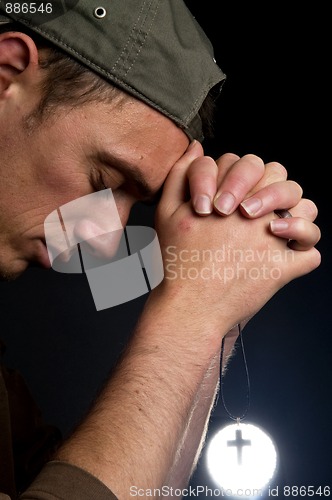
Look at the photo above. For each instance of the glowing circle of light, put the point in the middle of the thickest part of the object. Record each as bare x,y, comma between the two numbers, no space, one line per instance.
240,469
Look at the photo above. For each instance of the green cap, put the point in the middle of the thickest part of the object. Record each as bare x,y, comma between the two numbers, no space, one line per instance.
153,49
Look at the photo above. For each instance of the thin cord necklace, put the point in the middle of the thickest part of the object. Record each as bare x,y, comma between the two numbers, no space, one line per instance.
237,419
241,456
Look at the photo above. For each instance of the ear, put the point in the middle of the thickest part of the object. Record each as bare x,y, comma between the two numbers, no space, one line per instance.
17,53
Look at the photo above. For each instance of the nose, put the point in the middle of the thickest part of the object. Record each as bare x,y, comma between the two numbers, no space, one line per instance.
100,233
94,222
87,235
97,243
124,202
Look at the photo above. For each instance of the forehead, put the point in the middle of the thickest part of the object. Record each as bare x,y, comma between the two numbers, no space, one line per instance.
139,138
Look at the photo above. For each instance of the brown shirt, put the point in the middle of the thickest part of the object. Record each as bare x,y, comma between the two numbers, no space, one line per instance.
27,471
59,480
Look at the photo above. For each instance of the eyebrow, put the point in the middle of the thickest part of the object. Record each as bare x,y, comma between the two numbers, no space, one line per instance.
149,195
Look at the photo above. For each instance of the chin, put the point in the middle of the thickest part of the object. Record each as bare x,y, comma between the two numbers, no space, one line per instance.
11,269
10,275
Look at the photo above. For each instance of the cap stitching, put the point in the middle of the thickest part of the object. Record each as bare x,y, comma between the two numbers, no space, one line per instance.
134,40
128,41
140,46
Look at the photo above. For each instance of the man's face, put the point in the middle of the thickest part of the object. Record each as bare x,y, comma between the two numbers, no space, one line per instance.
127,146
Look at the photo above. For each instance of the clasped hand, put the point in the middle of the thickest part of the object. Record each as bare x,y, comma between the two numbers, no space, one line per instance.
221,213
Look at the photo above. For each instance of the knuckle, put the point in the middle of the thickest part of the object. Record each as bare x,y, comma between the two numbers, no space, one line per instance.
310,209
254,161
276,171
228,157
318,234
185,224
300,226
297,187
203,162
317,259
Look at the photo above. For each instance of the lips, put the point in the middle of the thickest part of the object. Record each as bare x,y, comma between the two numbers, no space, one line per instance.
42,257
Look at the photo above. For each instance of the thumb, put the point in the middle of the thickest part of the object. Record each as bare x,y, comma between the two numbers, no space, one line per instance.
176,184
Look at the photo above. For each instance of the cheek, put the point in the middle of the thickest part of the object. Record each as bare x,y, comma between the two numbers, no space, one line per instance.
60,168
62,181
58,188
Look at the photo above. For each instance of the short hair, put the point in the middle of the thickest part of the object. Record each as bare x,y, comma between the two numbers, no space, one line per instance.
69,83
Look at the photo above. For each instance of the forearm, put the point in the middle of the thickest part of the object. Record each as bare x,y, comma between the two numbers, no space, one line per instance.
193,441
191,445
131,437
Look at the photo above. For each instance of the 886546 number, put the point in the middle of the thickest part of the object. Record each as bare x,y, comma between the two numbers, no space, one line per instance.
28,8
306,491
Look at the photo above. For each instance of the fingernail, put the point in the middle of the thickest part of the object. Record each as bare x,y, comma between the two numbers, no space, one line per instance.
252,205
203,204
278,225
224,203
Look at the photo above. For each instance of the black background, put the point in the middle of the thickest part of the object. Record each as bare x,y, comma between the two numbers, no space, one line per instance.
274,104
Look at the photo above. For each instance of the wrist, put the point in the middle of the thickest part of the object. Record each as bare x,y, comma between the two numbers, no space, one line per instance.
184,316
